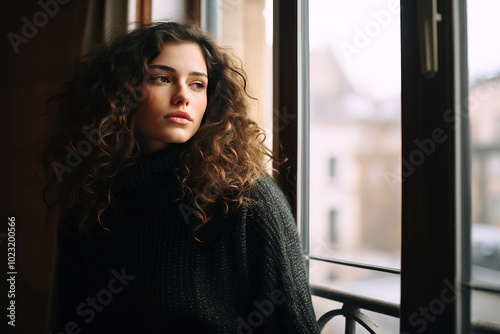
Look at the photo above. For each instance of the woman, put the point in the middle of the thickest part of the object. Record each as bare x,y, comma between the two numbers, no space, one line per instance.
169,223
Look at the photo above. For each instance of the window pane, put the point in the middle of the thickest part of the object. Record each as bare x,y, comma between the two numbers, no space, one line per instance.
484,118
167,10
355,140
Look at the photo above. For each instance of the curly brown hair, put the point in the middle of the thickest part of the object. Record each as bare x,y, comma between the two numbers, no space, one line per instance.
93,134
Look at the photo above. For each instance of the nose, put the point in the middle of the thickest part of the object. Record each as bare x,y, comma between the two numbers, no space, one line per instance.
181,95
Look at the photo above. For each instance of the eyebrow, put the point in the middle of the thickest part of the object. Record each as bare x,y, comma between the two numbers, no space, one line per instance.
171,69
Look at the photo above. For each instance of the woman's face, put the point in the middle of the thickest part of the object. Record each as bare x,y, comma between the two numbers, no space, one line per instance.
177,100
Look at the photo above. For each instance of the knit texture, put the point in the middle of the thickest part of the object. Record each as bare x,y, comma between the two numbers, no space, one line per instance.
243,273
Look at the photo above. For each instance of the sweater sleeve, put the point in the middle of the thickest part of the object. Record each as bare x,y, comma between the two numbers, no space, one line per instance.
279,282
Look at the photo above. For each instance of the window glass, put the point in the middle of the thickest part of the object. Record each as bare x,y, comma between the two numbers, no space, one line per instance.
484,118
355,92
167,10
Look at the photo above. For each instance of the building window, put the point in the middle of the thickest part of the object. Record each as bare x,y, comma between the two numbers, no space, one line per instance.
332,168
333,227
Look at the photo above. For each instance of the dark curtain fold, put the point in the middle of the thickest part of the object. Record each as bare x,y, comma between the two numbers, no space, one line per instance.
104,19
41,40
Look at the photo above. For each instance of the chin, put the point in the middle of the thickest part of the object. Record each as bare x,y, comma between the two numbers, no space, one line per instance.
179,140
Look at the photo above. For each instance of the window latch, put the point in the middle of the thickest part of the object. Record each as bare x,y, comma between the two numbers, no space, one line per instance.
428,17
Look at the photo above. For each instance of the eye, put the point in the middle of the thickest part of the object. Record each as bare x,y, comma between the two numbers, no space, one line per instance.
160,79
198,85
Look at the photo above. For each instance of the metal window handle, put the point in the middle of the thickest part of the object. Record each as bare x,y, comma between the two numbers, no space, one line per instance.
428,17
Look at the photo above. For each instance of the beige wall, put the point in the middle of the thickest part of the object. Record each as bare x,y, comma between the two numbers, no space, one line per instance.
243,28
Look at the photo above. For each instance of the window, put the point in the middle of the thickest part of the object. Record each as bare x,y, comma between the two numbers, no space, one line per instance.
429,169
484,115
355,116
165,11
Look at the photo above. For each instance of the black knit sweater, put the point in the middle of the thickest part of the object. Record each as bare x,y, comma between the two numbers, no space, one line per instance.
149,274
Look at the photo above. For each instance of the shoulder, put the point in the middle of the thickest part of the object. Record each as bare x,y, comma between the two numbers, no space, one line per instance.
266,190
269,214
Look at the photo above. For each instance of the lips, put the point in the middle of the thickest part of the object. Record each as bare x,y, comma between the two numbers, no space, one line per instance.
180,114
179,117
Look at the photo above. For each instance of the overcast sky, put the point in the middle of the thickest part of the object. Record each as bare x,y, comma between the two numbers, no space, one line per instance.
364,35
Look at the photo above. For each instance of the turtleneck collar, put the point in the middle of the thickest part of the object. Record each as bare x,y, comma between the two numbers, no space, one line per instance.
148,169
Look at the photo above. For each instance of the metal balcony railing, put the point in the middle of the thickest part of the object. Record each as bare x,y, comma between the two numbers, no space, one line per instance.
353,304
351,309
